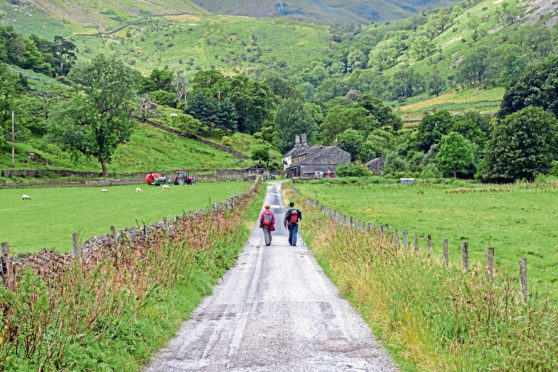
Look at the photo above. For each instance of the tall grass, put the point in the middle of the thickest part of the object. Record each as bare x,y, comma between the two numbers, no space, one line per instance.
113,310
434,317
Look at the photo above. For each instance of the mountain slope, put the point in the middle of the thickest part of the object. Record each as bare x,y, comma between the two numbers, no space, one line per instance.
324,11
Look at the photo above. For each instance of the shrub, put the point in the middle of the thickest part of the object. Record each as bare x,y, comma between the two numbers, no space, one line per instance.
355,169
227,141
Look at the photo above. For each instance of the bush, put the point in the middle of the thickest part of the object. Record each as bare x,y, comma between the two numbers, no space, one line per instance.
355,169
227,141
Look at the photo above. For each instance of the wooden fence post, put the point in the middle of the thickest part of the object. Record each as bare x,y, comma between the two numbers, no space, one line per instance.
165,225
523,276
405,238
415,236
395,237
490,263
368,227
374,228
387,229
465,255
113,233
446,253
382,230
77,252
429,244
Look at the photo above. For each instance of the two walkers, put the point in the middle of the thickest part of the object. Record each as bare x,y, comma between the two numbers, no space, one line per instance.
292,218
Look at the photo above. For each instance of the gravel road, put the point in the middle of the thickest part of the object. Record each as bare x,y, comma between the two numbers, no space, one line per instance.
275,310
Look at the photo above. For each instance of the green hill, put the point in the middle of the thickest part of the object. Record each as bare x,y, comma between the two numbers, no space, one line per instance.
324,11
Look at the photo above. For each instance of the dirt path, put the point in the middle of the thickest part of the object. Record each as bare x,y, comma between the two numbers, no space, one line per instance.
275,310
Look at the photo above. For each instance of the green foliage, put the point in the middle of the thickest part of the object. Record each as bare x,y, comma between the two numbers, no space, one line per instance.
95,124
291,120
158,80
9,92
433,127
261,155
455,157
162,97
352,142
522,145
537,87
354,169
186,123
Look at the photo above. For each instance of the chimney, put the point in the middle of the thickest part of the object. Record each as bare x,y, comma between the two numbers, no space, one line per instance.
304,140
297,140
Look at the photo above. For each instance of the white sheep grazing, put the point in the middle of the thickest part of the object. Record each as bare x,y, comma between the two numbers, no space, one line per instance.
25,197
166,187
138,189
104,190
173,115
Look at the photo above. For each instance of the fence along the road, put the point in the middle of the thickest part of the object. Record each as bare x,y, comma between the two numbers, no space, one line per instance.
528,286
51,260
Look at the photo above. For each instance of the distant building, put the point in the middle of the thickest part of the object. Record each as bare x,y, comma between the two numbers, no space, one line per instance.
314,161
377,165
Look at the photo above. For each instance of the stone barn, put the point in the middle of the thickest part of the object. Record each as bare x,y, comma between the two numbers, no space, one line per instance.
316,161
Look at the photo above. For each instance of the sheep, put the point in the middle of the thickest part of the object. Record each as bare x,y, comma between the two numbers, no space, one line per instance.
25,197
173,115
166,187
138,189
104,190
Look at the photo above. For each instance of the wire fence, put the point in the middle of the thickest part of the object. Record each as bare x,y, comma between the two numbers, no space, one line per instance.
491,262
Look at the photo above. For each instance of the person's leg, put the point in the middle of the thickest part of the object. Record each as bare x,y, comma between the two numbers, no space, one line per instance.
290,234
267,235
294,232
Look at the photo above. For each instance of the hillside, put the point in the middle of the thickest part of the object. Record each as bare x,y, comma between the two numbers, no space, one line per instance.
325,11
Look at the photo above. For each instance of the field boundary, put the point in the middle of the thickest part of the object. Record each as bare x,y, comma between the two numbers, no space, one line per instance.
527,287
97,247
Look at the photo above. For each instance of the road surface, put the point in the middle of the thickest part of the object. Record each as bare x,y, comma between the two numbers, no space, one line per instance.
275,310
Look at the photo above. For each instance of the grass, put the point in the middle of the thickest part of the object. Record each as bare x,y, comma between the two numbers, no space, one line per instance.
429,316
90,212
148,149
517,221
114,314
487,101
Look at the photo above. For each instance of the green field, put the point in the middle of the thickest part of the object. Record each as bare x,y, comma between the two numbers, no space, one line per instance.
516,221
53,214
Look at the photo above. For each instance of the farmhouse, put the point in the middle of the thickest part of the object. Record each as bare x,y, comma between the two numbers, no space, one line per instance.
377,165
314,161
287,158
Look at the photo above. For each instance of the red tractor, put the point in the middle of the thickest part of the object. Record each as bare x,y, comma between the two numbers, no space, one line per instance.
183,178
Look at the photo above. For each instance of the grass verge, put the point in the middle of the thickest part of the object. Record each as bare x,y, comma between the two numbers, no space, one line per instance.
115,314
433,317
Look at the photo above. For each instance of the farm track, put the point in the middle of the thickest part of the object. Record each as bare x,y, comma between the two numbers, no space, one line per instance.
274,311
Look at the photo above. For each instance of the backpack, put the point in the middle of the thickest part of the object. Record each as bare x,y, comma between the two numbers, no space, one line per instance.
294,216
267,218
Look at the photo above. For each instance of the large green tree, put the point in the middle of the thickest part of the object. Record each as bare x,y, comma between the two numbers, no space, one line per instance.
10,89
537,87
352,142
523,145
432,128
292,119
456,156
97,119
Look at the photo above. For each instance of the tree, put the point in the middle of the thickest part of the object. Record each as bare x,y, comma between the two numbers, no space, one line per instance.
253,103
356,60
159,80
456,156
341,118
473,68
522,145
435,84
352,142
382,113
292,119
10,90
97,119
471,132
261,155
537,87
407,83
432,128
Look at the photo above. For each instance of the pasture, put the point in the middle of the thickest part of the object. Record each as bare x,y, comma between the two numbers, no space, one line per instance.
53,214
516,221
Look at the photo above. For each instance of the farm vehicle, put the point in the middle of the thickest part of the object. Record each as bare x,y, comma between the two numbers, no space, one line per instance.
158,179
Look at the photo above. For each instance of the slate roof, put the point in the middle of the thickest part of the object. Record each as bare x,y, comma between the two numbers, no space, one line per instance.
326,155
377,165
296,148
